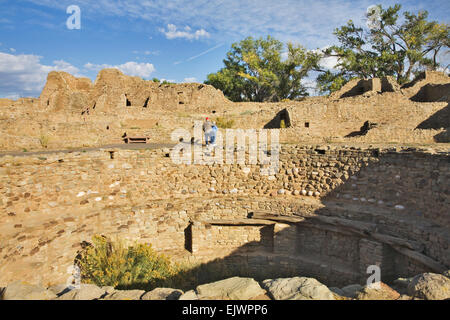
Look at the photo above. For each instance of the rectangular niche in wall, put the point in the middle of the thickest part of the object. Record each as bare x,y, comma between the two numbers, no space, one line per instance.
306,124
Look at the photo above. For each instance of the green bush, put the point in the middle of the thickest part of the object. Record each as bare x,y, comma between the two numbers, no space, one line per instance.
224,123
108,263
112,263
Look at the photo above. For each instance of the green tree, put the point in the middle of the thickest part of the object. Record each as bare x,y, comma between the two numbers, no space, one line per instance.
388,47
255,71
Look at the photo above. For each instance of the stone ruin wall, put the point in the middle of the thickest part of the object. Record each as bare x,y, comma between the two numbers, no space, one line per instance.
77,113
52,203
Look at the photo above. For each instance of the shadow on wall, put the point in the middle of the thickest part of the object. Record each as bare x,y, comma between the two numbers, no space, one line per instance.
439,120
281,120
363,130
333,248
433,93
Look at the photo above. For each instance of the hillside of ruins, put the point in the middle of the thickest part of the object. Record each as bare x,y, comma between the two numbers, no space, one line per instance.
76,113
364,179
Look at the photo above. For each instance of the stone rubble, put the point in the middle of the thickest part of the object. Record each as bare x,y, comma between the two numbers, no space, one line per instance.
426,286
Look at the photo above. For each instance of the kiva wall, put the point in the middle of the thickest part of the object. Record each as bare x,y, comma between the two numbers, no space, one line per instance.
51,203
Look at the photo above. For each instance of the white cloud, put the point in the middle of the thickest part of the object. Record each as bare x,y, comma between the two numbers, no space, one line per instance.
130,68
173,33
327,62
25,76
310,85
166,80
309,22
190,80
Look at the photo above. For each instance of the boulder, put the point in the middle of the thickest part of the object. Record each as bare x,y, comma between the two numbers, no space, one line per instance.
378,291
162,294
109,289
60,289
125,295
85,292
401,285
337,291
351,290
20,290
189,295
235,288
297,288
430,286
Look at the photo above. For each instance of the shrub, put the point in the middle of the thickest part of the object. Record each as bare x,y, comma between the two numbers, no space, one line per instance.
112,263
108,263
224,123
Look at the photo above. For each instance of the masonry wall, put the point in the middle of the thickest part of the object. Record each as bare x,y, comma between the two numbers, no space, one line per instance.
51,203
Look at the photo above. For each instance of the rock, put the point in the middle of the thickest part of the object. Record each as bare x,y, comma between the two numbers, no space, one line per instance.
233,288
163,294
401,284
297,288
60,289
20,290
446,273
190,295
352,290
378,291
261,297
109,289
85,292
337,291
429,286
125,295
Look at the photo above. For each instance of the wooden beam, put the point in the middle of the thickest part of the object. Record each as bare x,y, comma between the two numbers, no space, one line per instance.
419,257
238,222
281,219
358,226
394,241
363,229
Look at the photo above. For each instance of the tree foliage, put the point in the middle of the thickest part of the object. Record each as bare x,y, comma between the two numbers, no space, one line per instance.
255,70
390,46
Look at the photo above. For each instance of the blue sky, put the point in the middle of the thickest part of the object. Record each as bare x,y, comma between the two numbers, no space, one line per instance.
180,41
